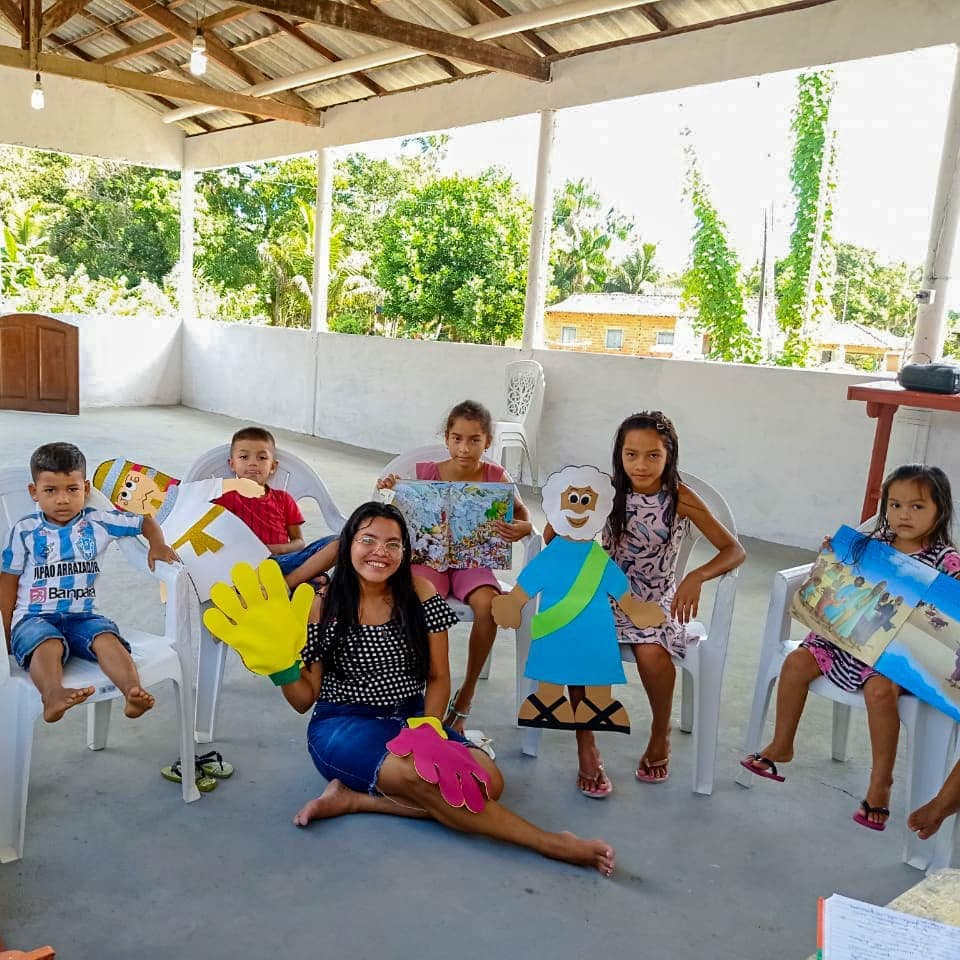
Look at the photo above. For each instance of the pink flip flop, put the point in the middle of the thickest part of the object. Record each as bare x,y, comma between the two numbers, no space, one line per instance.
645,766
602,792
769,774
864,812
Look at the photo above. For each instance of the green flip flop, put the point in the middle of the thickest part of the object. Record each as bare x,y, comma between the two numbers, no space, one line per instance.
174,773
213,765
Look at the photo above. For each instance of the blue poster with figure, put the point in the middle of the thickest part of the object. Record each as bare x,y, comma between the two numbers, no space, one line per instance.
890,611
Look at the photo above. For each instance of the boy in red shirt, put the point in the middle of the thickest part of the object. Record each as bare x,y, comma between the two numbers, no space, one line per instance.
275,517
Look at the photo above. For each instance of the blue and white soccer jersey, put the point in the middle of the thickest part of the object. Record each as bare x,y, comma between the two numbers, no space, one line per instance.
58,566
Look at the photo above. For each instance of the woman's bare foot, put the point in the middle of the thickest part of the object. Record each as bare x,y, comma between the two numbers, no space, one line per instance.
138,702
335,801
597,854
925,821
56,704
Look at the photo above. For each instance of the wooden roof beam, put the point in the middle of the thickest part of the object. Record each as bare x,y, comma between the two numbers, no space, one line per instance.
57,15
11,13
159,86
303,37
530,39
216,49
652,13
161,40
414,35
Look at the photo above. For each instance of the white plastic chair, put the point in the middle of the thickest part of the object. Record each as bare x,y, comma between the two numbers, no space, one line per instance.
701,669
404,466
302,482
521,421
157,658
931,735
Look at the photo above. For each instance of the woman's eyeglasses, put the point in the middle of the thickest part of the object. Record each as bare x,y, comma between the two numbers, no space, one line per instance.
393,547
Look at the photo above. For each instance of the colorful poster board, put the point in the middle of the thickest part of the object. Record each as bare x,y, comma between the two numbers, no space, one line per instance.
452,524
894,613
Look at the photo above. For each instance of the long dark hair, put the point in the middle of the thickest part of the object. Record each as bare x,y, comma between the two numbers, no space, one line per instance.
935,481
473,411
341,609
663,426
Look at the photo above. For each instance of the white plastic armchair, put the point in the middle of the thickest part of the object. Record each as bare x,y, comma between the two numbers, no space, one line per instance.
302,482
931,735
157,658
404,466
525,388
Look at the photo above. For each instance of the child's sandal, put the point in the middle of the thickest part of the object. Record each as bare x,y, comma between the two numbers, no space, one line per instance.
452,711
213,765
174,773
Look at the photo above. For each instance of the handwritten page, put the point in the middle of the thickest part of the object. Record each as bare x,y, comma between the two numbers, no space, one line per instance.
854,930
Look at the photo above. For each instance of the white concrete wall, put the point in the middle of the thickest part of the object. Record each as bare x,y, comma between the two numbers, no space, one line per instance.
128,361
85,118
785,447
262,374
829,33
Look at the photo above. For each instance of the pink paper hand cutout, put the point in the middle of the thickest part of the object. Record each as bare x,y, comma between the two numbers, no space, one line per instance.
447,763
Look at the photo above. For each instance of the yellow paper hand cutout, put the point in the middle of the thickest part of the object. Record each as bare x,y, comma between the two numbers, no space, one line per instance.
260,621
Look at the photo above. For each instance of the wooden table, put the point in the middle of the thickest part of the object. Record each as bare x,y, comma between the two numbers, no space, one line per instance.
936,897
882,398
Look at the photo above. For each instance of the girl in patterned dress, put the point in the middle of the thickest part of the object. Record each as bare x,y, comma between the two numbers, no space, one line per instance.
652,510
915,516
377,657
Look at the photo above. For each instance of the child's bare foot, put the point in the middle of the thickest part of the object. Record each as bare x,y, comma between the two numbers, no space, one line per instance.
335,801
925,821
138,702
597,854
56,704
457,712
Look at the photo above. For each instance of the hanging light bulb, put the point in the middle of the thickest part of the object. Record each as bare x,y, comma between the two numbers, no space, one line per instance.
198,54
36,95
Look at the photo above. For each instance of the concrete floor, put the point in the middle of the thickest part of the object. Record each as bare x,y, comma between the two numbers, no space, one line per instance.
117,867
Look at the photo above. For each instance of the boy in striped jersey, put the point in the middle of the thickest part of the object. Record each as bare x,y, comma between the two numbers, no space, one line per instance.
48,574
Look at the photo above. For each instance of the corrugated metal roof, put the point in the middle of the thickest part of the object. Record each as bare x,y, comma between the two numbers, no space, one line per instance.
277,53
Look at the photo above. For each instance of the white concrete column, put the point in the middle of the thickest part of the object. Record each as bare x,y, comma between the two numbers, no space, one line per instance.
931,317
540,236
321,240
188,190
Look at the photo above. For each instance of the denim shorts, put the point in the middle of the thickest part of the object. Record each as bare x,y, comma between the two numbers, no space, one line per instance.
288,562
348,741
77,631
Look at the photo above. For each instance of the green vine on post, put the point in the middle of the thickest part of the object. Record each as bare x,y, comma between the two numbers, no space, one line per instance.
712,284
803,300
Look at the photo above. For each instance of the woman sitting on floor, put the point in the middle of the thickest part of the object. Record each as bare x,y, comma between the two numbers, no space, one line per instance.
377,657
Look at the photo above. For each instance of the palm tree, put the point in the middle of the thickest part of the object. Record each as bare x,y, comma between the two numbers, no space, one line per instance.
288,261
635,271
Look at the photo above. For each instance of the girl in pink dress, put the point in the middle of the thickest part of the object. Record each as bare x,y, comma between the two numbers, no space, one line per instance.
468,434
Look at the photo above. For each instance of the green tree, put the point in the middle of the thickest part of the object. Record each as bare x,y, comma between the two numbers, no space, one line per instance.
711,284
118,220
583,234
636,271
452,263
877,294
812,179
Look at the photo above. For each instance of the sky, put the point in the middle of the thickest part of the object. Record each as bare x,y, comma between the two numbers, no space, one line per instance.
888,112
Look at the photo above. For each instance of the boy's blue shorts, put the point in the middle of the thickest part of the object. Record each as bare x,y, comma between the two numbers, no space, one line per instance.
288,562
77,631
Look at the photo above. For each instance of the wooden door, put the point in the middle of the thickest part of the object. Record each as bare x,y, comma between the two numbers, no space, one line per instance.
39,364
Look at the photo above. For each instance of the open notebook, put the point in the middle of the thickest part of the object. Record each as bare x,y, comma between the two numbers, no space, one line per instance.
853,930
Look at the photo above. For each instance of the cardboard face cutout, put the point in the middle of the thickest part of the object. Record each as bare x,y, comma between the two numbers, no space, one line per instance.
574,633
208,538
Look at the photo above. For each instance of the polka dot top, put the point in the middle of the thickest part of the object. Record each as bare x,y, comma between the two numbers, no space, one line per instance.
375,665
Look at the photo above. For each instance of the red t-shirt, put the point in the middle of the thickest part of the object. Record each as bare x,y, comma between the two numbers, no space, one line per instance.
267,516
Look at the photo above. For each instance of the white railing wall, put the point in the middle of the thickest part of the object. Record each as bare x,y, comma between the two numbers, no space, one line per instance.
786,447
